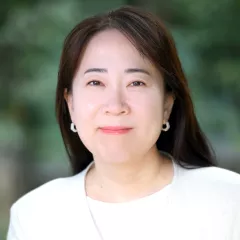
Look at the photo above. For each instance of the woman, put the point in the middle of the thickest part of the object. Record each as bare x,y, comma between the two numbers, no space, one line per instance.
142,166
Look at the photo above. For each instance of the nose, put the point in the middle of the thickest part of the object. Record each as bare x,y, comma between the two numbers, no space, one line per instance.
116,104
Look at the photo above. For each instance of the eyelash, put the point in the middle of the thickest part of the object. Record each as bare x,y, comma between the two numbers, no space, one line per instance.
141,83
99,83
94,81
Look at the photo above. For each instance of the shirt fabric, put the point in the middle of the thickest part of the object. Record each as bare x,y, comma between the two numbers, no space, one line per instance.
202,203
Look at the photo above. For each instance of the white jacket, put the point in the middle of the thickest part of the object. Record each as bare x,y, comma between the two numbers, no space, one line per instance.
205,205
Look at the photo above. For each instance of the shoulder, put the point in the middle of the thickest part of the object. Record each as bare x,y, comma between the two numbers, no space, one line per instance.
46,207
52,190
211,182
209,195
214,175
51,197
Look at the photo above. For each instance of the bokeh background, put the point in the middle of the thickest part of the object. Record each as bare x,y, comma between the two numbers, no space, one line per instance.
207,35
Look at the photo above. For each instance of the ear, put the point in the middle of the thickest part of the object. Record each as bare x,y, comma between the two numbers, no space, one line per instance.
168,105
69,100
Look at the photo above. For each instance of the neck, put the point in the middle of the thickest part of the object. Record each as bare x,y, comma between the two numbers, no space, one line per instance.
130,180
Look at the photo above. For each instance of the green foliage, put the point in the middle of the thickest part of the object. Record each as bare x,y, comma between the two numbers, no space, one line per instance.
32,33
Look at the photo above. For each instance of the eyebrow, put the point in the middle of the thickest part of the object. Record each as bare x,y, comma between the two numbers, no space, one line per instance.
129,70
137,70
99,70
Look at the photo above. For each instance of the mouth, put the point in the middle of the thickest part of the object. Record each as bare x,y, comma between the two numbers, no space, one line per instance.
115,130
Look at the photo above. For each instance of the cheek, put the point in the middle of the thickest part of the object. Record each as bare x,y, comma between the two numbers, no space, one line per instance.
84,112
85,107
149,112
149,107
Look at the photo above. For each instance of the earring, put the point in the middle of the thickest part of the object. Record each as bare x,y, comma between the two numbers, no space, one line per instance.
73,128
166,126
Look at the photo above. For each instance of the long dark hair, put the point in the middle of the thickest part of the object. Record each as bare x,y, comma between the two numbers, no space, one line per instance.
184,141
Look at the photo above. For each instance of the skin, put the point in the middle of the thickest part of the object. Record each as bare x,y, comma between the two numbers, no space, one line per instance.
128,165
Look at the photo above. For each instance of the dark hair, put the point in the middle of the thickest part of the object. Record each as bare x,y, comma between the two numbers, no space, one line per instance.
184,141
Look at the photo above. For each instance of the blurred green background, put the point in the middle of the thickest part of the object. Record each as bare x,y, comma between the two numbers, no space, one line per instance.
207,35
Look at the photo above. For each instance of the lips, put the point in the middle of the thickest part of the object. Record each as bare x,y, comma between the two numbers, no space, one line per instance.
115,129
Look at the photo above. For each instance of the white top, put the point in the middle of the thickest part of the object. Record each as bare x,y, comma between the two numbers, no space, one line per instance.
199,204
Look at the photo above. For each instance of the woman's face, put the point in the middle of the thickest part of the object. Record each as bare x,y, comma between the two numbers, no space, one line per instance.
117,101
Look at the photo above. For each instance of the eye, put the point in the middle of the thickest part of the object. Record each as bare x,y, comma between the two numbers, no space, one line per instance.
94,83
137,83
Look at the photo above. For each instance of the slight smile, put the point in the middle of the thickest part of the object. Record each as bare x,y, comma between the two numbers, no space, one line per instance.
115,129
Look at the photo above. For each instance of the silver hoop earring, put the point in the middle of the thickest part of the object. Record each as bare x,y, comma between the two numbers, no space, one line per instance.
166,126
73,128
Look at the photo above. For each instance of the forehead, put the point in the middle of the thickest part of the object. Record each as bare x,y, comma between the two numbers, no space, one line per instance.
112,47
110,39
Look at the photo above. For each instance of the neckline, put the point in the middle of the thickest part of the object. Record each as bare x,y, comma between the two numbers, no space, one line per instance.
134,202
86,209
141,199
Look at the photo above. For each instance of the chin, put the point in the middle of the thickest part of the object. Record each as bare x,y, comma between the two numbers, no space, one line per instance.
118,156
